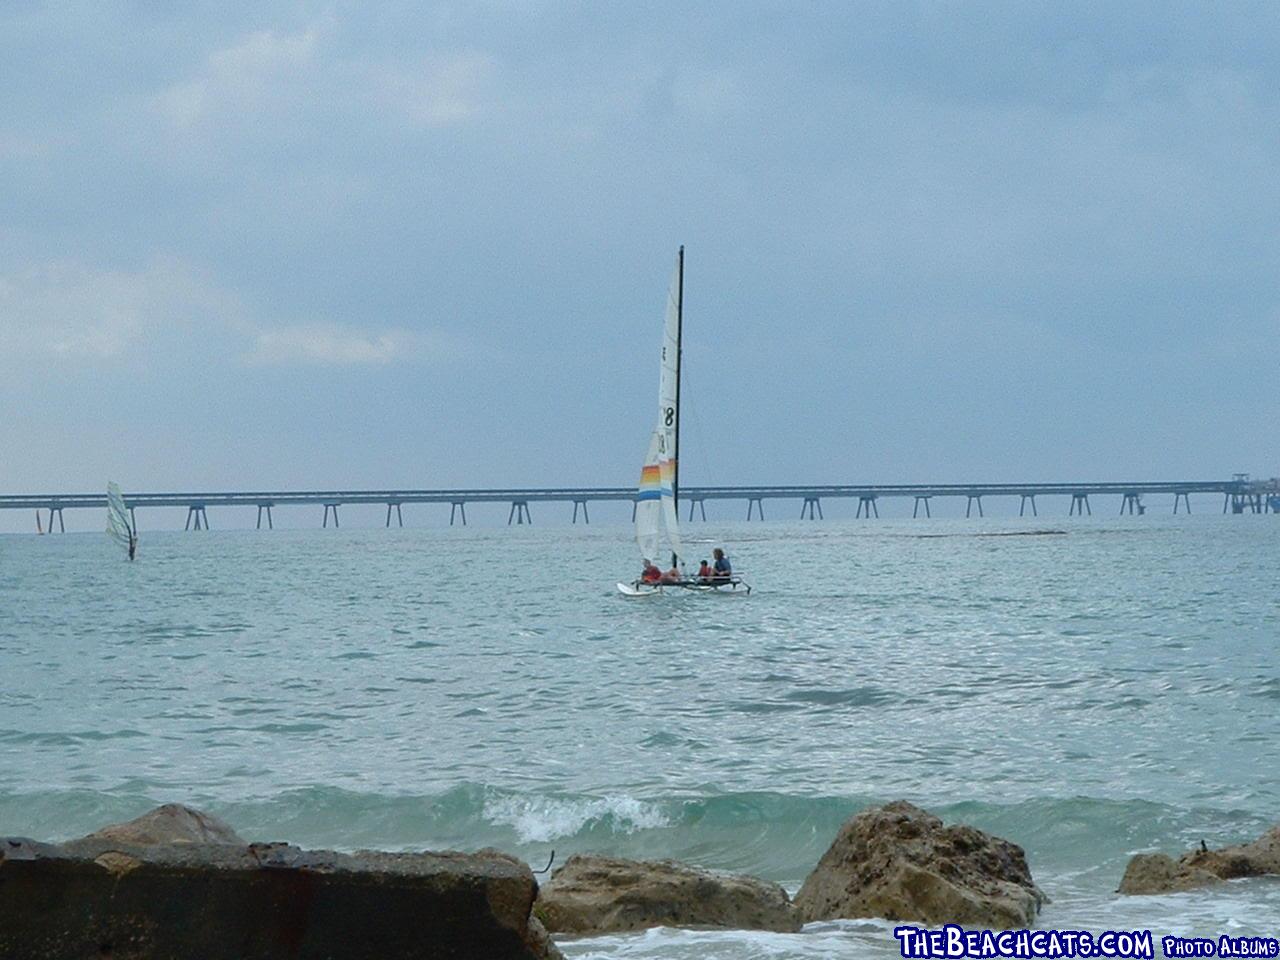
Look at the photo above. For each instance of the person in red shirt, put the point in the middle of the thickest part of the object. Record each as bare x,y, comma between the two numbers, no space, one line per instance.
705,572
651,573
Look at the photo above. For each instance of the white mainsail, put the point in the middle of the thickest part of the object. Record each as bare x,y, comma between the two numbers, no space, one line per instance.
118,527
655,501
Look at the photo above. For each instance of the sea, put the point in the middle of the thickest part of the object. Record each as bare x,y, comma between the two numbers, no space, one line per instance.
1087,688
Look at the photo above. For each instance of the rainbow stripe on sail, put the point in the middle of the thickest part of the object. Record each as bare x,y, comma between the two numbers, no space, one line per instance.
656,480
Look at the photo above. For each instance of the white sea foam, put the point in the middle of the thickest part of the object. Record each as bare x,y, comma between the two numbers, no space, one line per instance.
538,819
841,938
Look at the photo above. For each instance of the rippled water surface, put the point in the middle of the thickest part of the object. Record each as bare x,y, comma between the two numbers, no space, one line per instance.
1089,694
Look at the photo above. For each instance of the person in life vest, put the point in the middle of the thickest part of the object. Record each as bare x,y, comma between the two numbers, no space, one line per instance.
723,569
651,573
705,572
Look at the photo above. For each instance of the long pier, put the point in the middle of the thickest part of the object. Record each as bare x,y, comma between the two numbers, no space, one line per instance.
1240,495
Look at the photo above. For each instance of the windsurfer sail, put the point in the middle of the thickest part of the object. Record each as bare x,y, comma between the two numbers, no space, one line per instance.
118,526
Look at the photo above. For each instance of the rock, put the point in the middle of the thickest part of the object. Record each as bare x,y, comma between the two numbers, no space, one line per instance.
594,895
1255,859
1159,873
100,896
171,823
1149,873
900,863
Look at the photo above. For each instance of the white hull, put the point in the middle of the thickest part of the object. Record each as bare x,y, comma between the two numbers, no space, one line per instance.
734,588
634,590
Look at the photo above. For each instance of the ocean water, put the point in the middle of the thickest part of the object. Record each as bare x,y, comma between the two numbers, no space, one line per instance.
1111,689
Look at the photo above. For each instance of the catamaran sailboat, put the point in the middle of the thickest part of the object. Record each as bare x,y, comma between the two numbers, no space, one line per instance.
656,501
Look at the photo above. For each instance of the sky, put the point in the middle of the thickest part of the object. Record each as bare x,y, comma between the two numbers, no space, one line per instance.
293,245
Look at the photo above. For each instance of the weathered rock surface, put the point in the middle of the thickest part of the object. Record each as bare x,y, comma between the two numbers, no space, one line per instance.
594,895
899,862
171,823
1149,873
1160,873
100,896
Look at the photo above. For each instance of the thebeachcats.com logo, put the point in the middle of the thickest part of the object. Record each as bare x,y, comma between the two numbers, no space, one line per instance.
917,943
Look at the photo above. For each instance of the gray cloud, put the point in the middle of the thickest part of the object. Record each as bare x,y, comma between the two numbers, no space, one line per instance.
925,241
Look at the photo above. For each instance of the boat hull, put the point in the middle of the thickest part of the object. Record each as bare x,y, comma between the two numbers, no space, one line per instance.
732,588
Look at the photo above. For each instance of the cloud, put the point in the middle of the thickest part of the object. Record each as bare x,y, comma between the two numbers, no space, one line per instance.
333,345
73,310
247,76
436,91
299,73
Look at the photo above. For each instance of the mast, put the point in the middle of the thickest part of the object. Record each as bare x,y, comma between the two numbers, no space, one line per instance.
675,474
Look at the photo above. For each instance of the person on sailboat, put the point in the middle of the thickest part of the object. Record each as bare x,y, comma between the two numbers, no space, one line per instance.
651,573
705,573
673,575
723,569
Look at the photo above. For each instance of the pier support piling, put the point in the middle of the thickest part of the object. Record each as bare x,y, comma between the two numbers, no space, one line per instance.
700,504
915,512
1027,498
1184,498
1132,504
519,513
1241,503
810,505
56,511
267,508
755,503
458,506
585,517
1080,505
197,517
866,508
973,499
399,515
334,508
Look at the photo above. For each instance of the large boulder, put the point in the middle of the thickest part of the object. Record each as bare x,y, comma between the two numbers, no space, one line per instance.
101,896
171,823
594,895
900,863
1149,873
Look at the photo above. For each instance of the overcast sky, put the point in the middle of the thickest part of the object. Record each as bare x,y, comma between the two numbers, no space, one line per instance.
308,245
